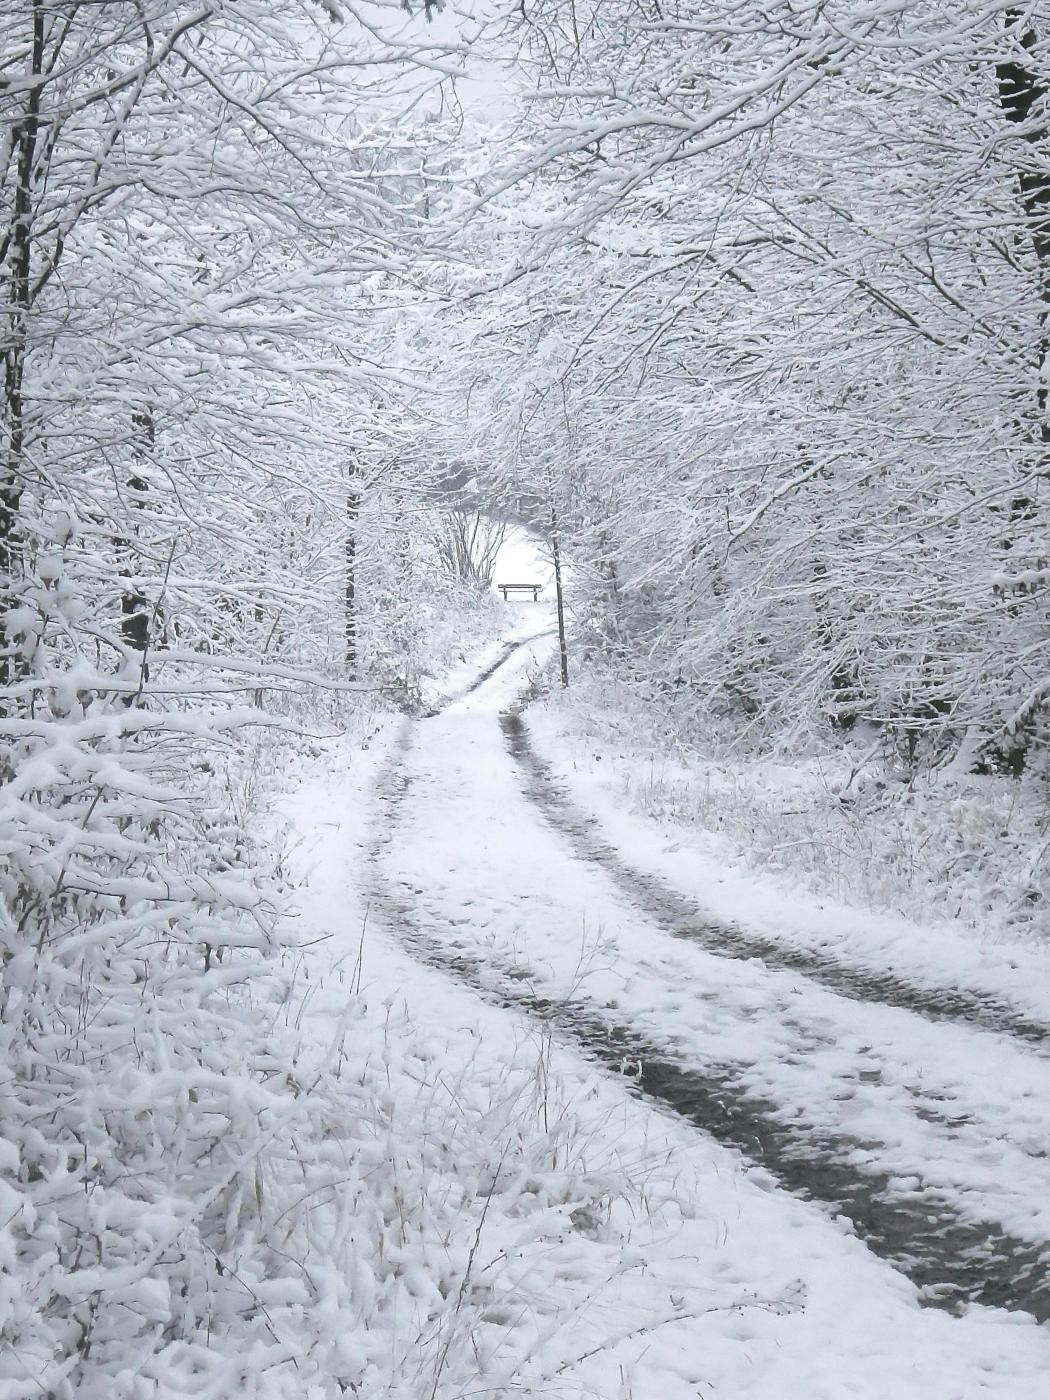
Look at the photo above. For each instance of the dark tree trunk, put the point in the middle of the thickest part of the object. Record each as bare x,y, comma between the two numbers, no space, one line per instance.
563,649
841,675
1023,96
136,612
16,280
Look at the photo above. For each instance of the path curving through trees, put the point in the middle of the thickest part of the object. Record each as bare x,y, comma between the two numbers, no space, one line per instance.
854,1092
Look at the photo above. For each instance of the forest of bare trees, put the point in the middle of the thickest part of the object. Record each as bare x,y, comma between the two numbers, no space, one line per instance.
743,307
778,312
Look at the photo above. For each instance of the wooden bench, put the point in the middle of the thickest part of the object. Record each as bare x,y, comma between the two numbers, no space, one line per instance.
533,588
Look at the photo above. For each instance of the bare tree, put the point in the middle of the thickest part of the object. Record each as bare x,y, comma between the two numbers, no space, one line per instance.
468,544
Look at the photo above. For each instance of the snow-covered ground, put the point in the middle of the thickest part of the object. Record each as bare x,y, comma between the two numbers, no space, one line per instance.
570,1229
844,821
937,954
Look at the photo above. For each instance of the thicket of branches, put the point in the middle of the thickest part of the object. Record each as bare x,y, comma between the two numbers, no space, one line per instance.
205,214
756,324
468,545
777,315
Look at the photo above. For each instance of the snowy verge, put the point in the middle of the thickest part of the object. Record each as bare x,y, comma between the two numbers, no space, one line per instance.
666,814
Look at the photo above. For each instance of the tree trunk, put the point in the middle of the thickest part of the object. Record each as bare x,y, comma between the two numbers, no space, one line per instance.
18,251
563,649
136,613
1023,95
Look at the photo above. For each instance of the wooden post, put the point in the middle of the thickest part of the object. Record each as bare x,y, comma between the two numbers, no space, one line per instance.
18,296
563,649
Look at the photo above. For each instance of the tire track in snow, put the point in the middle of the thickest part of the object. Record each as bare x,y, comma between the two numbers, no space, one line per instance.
953,1260
682,918
509,649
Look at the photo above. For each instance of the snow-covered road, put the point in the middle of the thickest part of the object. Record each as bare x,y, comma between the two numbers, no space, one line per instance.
892,1135
892,1113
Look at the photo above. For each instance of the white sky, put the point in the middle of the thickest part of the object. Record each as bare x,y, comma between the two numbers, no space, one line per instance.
525,558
